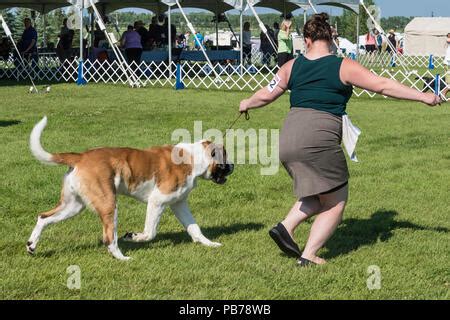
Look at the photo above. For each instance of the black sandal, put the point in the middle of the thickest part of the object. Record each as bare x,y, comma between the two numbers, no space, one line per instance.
302,262
284,241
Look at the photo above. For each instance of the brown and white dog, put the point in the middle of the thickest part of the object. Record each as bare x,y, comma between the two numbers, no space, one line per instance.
160,176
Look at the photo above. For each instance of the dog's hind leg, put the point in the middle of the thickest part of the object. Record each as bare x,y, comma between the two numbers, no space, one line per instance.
110,220
69,206
99,191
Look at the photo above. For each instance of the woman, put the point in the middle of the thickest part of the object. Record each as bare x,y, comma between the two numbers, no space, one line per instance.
321,85
379,40
371,43
392,42
247,43
266,45
284,43
132,42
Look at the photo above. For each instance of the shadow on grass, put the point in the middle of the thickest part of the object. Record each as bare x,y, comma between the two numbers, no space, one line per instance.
182,237
8,123
355,233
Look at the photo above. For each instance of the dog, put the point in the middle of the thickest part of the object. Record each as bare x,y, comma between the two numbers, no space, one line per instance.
159,176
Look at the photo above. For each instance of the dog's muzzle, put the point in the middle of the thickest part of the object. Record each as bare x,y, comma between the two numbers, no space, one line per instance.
222,171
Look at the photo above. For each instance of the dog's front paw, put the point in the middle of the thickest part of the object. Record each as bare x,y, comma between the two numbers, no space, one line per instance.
137,237
129,236
30,248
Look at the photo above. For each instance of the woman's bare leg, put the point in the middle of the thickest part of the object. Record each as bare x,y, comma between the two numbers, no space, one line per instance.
325,223
301,211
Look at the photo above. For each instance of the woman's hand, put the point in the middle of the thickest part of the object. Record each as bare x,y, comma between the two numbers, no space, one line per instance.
243,107
431,99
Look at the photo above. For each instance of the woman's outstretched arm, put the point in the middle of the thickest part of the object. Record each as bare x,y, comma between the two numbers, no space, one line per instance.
355,74
270,93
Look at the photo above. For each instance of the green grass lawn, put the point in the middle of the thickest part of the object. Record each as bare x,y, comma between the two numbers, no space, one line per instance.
397,217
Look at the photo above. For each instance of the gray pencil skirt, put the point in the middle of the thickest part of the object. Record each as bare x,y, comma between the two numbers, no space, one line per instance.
311,152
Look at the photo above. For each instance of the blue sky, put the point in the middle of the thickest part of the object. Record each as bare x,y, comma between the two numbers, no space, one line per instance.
389,8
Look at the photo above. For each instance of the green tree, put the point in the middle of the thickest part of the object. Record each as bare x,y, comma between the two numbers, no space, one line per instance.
9,16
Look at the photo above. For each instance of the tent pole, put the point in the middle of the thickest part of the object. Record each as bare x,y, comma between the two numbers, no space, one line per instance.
191,27
81,33
217,26
92,31
170,41
19,56
357,35
132,78
45,30
262,27
241,40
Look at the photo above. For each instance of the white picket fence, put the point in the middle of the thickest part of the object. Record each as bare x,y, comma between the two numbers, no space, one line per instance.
410,71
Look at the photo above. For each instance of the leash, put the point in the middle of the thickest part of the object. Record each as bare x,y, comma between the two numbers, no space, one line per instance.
247,117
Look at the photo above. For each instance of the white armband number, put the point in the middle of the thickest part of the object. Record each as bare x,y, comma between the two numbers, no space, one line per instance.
274,83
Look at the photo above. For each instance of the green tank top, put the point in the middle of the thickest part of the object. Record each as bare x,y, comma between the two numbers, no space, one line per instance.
317,84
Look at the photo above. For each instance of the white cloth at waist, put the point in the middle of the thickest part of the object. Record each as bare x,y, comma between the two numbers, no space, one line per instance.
350,134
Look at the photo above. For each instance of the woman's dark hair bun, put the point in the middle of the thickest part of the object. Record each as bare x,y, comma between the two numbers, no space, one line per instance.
321,17
318,28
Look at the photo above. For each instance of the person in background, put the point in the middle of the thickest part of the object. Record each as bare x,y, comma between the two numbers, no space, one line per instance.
284,43
187,39
392,46
28,43
371,44
276,30
247,43
379,40
173,32
180,41
5,48
335,42
266,45
64,47
143,32
99,35
198,40
152,33
160,31
131,42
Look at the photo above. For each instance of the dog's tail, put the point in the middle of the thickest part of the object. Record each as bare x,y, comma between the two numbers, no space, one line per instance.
70,159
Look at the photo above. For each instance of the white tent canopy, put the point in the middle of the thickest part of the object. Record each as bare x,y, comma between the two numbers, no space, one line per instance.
352,5
158,6
425,36
42,6
106,6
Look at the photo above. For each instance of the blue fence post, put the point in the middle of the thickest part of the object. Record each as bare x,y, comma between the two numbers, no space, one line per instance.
80,80
179,85
431,62
437,81
393,64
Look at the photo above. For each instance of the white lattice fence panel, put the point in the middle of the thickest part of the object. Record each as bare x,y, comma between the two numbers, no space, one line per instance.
227,76
385,60
194,75
424,81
